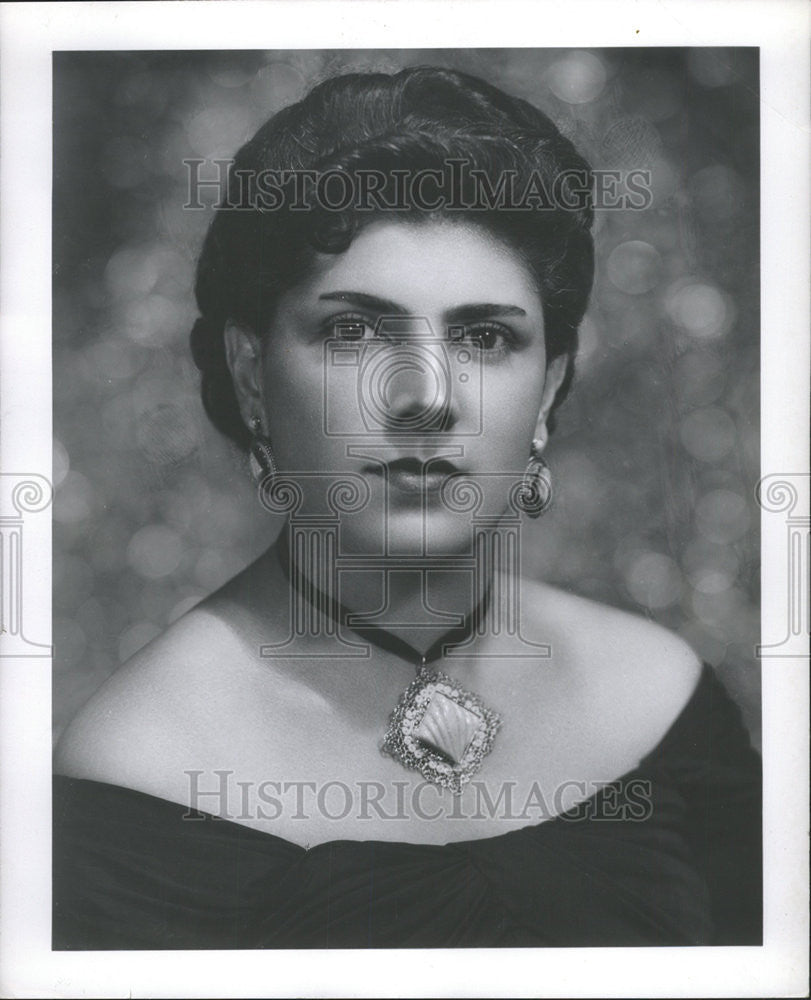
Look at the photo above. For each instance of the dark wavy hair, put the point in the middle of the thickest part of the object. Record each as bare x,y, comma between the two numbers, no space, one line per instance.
417,119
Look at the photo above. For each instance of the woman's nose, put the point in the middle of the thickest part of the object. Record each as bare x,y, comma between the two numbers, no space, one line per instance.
415,389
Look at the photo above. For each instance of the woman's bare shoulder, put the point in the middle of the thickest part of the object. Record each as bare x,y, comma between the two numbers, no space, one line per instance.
159,704
635,668
146,712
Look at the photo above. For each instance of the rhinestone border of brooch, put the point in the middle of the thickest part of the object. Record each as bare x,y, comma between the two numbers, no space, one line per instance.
403,744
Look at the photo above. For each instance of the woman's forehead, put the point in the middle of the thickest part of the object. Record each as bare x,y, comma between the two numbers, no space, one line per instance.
428,265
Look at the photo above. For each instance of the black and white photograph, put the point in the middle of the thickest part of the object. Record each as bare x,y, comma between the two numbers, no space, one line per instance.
419,547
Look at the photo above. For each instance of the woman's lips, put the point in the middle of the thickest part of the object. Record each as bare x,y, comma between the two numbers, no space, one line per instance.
414,475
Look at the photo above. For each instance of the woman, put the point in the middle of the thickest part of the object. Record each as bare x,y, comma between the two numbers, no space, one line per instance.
390,296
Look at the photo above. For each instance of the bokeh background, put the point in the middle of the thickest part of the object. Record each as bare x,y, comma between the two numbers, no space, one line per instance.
656,454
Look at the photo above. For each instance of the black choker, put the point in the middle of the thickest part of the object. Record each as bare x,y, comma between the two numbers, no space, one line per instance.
438,728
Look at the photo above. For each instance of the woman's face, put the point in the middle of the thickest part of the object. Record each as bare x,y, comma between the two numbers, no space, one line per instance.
417,352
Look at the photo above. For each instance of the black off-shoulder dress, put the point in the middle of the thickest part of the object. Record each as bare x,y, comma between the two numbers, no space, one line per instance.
131,873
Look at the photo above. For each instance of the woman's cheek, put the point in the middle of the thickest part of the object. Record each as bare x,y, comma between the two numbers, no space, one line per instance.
511,413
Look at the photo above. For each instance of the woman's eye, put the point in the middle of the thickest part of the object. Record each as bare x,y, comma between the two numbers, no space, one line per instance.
491,338
349,327
488,337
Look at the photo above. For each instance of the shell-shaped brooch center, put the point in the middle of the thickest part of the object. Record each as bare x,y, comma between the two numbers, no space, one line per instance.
448,727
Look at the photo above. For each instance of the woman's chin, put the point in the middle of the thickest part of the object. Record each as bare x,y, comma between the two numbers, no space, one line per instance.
410,532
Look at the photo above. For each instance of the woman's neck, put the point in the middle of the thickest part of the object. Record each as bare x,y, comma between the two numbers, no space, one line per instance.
404,597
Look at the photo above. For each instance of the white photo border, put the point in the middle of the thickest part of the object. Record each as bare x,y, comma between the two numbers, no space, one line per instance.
29,33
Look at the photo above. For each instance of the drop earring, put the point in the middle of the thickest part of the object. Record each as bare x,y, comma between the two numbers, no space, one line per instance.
536,486
263,464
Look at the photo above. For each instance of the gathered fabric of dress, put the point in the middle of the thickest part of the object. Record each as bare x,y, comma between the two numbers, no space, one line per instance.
132,871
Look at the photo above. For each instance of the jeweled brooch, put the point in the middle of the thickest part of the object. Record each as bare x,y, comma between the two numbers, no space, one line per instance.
441,730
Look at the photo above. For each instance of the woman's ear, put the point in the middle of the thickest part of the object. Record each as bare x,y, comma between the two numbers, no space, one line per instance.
555,374
244,356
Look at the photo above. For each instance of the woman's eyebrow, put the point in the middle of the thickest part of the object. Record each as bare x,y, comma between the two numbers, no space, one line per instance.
471,311
382,307
482,310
